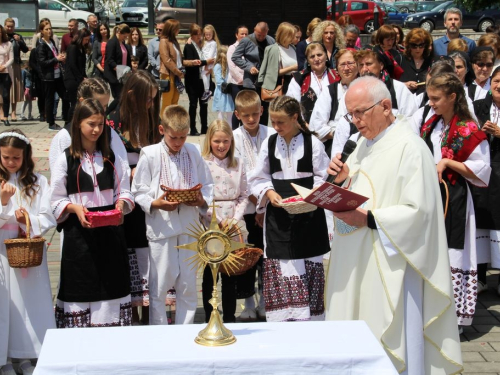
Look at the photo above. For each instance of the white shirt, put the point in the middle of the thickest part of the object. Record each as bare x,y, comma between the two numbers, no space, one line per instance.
288,57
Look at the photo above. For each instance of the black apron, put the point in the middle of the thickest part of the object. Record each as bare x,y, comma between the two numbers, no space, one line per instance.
291,236
487,200
94,263
456,217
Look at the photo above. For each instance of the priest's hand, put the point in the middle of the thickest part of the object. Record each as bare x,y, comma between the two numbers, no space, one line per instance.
336,167
355,218
274,198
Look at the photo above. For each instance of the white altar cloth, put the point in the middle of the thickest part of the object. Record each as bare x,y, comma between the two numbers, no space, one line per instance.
346,347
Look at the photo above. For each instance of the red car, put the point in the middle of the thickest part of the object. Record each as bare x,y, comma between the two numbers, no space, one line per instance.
361,12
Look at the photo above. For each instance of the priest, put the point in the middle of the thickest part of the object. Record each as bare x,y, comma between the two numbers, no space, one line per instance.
389,263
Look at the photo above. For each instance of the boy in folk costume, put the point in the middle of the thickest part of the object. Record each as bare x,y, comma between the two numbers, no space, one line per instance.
177,165
248,140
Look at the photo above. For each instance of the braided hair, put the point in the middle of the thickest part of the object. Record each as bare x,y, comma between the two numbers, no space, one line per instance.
92,86
449,83
291,107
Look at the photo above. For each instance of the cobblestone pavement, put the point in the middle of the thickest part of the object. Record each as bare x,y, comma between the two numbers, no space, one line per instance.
480,342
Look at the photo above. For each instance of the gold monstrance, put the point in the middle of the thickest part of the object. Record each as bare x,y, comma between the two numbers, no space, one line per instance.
214,246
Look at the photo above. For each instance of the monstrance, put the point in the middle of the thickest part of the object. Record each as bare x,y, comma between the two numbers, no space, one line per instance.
214,246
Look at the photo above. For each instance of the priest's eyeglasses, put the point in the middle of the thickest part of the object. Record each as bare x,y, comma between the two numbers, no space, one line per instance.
349,117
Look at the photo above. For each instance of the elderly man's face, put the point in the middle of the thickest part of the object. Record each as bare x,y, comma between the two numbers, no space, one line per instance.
92,21
369,117
9,27
260,33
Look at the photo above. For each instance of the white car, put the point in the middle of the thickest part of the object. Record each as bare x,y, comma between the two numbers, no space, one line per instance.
59,14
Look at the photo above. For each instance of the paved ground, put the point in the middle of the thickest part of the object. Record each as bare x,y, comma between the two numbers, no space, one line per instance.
480,342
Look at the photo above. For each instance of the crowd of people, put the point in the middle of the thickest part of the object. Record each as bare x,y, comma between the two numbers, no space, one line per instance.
411,261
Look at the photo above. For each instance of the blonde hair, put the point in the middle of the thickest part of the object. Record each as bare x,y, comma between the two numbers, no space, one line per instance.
312,25
457,45
214,33
246,99
222,59
285,33
317,35
176,118
219,126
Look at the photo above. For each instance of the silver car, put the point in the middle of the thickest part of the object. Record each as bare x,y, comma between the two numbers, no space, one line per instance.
134,12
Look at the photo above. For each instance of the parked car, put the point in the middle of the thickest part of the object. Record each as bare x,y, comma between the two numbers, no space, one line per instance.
434,19
59,14
394,16
103,14
415,6
182,10
361,12
134,12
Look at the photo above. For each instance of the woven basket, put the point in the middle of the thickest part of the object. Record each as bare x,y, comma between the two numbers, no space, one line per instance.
25,252
181,195
299,207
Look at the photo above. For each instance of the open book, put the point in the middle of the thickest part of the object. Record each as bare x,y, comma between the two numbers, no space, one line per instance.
331,197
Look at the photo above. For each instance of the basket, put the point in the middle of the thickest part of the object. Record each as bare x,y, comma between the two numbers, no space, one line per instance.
181,195
25,252
296,205
246,258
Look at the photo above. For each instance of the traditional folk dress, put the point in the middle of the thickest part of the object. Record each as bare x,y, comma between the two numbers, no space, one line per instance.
462,142
166,229
294,244
247,149
397,278
231,200
94,288
26,299
134,225
487,201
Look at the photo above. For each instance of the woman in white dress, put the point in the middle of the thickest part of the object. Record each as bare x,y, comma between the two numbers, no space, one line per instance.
26,301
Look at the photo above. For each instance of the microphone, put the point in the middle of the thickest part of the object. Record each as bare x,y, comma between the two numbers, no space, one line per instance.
349,147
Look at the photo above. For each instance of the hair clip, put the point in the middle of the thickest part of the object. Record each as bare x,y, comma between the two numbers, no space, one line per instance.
17,135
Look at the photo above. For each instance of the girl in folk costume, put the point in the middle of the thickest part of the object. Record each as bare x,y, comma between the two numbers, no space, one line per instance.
461,153
486,201
248,141
25,295
308,84
135,120
231,200
294,244
94,288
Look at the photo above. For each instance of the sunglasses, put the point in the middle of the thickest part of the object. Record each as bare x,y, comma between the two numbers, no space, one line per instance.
159,30
414,45
482,65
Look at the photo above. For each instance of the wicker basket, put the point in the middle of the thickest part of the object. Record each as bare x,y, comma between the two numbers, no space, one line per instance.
25,252
181,195
250,256
297,207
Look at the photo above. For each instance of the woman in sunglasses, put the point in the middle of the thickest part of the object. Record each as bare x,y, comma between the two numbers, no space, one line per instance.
482,63
417,59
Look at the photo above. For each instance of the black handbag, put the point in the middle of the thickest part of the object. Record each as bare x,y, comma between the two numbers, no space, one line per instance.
164,85
226,88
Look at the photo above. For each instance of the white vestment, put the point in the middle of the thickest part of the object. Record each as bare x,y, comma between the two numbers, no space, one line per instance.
397,278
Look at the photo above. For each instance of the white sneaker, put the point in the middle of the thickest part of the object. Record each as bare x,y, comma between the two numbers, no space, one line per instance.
261,313
248,315
481,287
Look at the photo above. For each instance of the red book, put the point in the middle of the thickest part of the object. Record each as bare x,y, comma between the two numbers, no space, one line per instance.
331,197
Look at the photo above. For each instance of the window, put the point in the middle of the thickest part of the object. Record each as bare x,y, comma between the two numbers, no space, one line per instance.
55,6
186,4
344,6
359,6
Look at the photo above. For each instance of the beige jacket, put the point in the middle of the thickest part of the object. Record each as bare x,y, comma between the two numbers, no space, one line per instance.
168,58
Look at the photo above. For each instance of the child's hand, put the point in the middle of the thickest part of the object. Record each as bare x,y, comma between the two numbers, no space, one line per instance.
274,198
200,201
6,191
80,212
162,204
259,219
20,218
119,206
